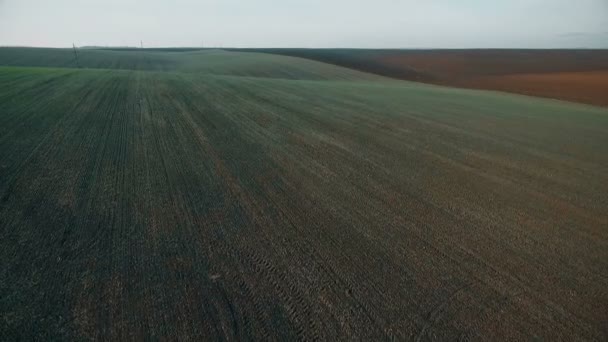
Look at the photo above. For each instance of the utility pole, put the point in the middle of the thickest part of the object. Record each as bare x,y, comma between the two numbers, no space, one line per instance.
142,43
76,55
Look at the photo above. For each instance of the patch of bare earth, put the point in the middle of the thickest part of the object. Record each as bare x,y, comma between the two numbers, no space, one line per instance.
577,76
584,87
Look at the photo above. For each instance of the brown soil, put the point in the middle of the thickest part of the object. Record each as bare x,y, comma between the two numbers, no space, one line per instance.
571,75
584,87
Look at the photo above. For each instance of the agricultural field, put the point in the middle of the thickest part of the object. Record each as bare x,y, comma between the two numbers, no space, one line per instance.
571,75
223,195
211,61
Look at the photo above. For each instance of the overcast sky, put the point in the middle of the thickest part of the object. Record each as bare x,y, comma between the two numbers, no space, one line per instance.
311,23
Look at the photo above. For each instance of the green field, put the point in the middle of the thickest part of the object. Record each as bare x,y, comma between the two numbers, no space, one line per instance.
213,195
216,62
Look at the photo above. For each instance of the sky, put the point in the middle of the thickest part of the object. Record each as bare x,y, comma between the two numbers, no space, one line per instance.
310,24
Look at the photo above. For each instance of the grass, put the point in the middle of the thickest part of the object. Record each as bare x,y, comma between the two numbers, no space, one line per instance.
216,205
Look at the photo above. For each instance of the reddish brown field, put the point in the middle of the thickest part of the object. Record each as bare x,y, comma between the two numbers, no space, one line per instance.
578,76
585,87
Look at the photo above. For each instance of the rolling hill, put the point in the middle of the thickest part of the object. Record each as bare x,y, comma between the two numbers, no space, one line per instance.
209,61
217,195
571,75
